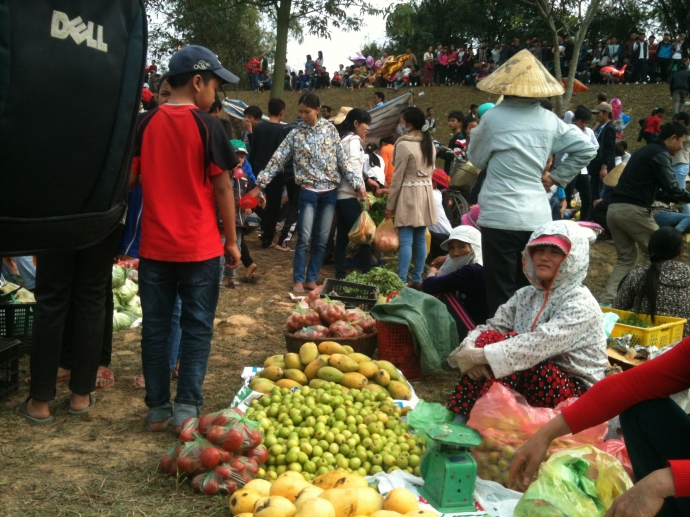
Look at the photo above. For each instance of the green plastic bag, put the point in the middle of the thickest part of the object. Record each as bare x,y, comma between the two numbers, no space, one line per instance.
578,482
426,415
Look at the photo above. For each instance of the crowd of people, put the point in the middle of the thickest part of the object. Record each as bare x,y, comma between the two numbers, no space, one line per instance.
511,273
636,59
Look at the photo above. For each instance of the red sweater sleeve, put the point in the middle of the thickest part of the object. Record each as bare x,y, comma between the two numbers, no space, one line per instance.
656,379
653,125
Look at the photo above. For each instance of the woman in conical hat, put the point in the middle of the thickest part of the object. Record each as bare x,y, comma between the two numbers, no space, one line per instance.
513,143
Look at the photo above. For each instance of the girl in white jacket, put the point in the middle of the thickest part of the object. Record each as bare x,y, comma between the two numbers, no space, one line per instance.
547,342
353,131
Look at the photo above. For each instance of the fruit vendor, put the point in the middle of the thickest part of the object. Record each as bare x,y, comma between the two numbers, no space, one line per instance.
655,428
547,342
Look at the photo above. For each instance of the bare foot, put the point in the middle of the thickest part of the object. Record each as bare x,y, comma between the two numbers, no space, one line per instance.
105,378
38,408
250,271
63,373
79,402
138,382
157,427
178,429
298,288
311,286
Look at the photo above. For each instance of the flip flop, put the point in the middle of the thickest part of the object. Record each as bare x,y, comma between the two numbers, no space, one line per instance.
21,411
77,412
251,280
282,249
167,423
106,374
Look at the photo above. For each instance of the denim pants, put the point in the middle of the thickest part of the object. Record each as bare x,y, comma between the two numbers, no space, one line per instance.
316,211
679,220
197,285
27,270
681,170
347,211
412,245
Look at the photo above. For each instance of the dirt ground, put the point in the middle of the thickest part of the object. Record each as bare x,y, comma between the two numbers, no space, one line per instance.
104,464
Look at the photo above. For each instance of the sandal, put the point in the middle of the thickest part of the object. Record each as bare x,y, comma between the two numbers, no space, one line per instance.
282,249
77,412
106,374
251,280
22,412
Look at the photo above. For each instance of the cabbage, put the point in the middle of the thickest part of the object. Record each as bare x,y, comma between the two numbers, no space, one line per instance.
122,320
134,308
119,276
127,291
116,302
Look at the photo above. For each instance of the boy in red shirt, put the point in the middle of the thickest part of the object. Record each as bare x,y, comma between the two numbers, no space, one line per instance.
182,157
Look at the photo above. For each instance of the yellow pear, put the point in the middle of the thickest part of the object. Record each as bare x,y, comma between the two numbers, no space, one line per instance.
316,507
243,501
260,485
310,492
400,500
274,506
289,485
349,502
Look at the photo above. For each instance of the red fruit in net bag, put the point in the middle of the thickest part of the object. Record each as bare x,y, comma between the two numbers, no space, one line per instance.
210,458
233,440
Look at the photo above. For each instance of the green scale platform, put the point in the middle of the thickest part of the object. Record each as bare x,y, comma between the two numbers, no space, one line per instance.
449,470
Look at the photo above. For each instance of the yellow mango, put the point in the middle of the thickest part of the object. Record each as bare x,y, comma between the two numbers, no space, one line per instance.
382,378
359,358
273,373
287,383
293,362
368,369
313,368
330,374
354,380
296,375
330,348
399,390
308,352
343,363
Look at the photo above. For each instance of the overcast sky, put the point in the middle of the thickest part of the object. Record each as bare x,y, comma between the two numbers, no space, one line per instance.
341,45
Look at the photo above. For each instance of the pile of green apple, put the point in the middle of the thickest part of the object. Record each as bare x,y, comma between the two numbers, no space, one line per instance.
313,431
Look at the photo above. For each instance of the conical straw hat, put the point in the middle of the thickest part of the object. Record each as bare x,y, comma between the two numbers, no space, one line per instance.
612,178
522,76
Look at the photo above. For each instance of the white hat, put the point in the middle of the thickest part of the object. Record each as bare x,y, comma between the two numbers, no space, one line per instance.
467,234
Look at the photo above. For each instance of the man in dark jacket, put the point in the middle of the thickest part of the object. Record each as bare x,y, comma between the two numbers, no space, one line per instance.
629,216
455,119
606,154
680,85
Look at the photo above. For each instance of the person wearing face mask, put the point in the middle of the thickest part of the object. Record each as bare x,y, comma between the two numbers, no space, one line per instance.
458,279
547,342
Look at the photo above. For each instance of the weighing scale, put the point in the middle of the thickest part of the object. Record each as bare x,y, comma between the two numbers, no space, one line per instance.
449,470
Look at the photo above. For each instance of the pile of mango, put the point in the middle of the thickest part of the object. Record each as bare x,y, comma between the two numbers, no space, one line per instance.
315,366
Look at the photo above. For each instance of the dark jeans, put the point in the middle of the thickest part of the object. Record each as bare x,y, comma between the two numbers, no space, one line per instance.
640,73
436,240
347,211
269,219
502,252
595,186
197,285
581,184
293,192
663,64
655,432
64,278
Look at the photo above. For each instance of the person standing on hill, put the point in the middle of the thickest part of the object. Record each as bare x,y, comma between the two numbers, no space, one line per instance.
680,85
513,143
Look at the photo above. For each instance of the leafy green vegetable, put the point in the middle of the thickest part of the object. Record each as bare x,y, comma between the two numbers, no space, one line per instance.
377,208
119,276
386,280
635,321
127,291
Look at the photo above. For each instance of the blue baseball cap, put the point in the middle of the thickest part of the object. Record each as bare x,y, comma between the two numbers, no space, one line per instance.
195,58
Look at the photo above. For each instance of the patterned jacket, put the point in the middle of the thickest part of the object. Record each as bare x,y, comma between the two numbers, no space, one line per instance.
563,324
318,158
673,295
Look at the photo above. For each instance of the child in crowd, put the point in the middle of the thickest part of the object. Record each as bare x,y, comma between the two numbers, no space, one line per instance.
252,116
374,175
547,342
241,184
182,158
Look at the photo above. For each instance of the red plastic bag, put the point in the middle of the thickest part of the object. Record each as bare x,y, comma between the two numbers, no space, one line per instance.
362,319
506,421
330,310
315,332
234,432
617,448
301,318
343,329
313,296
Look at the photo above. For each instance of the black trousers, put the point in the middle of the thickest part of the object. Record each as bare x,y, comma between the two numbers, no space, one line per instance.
293,192
502,252
655,432
64,278
436,240
269,219
581,184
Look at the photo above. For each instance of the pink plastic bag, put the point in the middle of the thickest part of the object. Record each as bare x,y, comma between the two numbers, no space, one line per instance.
617,448
506,421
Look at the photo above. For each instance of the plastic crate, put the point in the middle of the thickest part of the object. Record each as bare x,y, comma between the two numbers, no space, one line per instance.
351,294
667,330
10,350
396,346
17,322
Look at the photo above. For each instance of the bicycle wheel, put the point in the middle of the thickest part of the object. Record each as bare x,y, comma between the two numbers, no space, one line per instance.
456,206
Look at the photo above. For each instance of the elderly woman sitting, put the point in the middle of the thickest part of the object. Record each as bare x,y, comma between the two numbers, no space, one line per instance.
547,342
